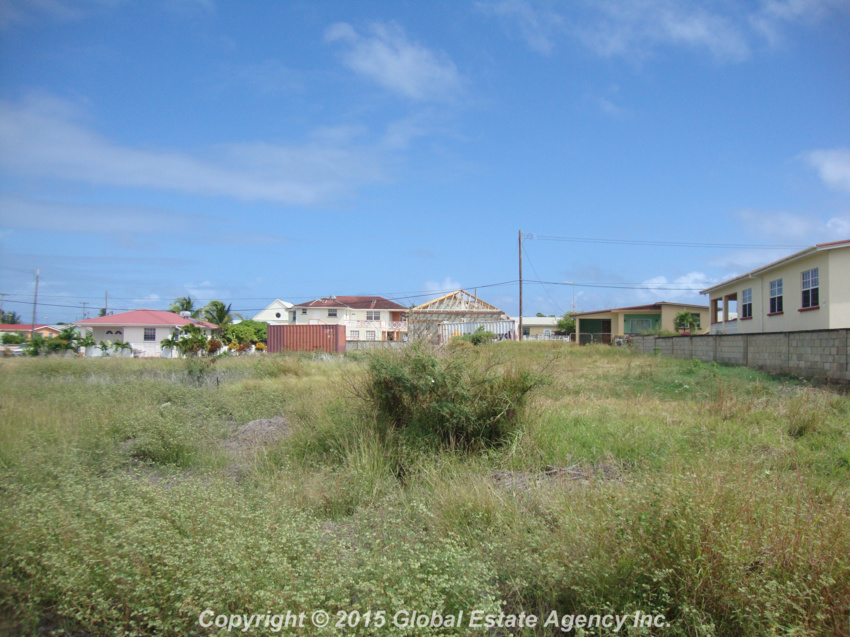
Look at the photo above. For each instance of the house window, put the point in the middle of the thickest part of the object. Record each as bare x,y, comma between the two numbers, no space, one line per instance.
747,303
373,316
811,289
776,296
526,331
150,334
697,319
109,331
642,325
277,314
547,333
303,310
355,335
370,335
332,313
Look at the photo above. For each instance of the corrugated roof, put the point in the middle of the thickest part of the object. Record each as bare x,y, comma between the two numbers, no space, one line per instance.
145,317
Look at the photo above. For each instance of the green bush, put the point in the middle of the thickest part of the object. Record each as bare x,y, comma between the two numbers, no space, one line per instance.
460,398
478,337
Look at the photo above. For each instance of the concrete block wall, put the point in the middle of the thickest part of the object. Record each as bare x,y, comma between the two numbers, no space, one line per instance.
702,348
732,350
768,352
813,354
821,353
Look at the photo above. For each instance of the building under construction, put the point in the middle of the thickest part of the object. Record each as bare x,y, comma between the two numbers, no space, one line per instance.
429,320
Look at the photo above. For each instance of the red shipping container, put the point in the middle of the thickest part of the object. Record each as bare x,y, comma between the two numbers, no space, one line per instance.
306,338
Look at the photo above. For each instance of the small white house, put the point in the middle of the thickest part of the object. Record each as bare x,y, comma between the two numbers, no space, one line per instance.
143,330
275,314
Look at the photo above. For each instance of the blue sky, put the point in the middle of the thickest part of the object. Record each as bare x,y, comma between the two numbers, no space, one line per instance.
258,150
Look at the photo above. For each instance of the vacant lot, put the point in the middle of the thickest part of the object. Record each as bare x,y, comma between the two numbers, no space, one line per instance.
133,497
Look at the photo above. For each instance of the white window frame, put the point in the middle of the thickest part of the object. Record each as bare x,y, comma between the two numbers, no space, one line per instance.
747,303
150,335
373,315
355,335
776,305
811,289
370,335
332,312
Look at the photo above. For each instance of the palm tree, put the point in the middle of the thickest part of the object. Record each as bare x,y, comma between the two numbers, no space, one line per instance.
185,304
218,313
10,318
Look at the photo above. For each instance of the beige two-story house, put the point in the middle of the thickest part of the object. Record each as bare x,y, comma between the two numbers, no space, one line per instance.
808,290
366,318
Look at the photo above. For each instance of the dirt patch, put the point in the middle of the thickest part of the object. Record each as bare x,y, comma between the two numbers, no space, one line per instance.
257,433
518,481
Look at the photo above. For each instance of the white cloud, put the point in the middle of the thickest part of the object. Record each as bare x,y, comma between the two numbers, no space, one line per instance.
738,261
770,225
440,288
41,137
839,227
684,288
386,56
34,214
833,166
727,31
151,301
537,26
796,230
634,27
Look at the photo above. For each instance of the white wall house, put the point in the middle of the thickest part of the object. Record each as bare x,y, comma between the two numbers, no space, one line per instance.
808,290
366,318
275,314
143,330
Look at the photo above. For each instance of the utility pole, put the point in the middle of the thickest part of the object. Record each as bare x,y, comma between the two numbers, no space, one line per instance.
84,303
34,305
520,285
106,303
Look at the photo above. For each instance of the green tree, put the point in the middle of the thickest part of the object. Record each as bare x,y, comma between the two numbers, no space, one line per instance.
185,304
245,332
189,341
12,338
566,325
10,318
217,313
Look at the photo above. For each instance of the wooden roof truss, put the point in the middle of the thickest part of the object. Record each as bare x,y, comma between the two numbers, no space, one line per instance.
457,301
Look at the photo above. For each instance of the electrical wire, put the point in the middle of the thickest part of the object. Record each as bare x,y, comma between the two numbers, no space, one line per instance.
657,243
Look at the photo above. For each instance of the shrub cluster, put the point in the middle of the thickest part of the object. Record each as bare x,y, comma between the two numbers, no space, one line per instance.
460,398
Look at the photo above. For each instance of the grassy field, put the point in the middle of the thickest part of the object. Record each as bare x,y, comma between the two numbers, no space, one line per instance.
716,496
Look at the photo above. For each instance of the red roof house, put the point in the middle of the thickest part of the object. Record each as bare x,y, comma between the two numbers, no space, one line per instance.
142,329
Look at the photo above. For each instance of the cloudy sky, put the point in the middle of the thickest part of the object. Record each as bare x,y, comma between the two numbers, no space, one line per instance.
293,150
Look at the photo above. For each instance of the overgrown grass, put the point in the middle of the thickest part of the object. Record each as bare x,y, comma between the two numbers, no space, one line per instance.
716,496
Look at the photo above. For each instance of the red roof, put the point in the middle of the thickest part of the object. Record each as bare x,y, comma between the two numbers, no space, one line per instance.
355,303
18,327
145,317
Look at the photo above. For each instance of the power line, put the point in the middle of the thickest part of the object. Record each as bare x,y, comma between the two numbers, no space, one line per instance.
619,287
658,243
545,289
